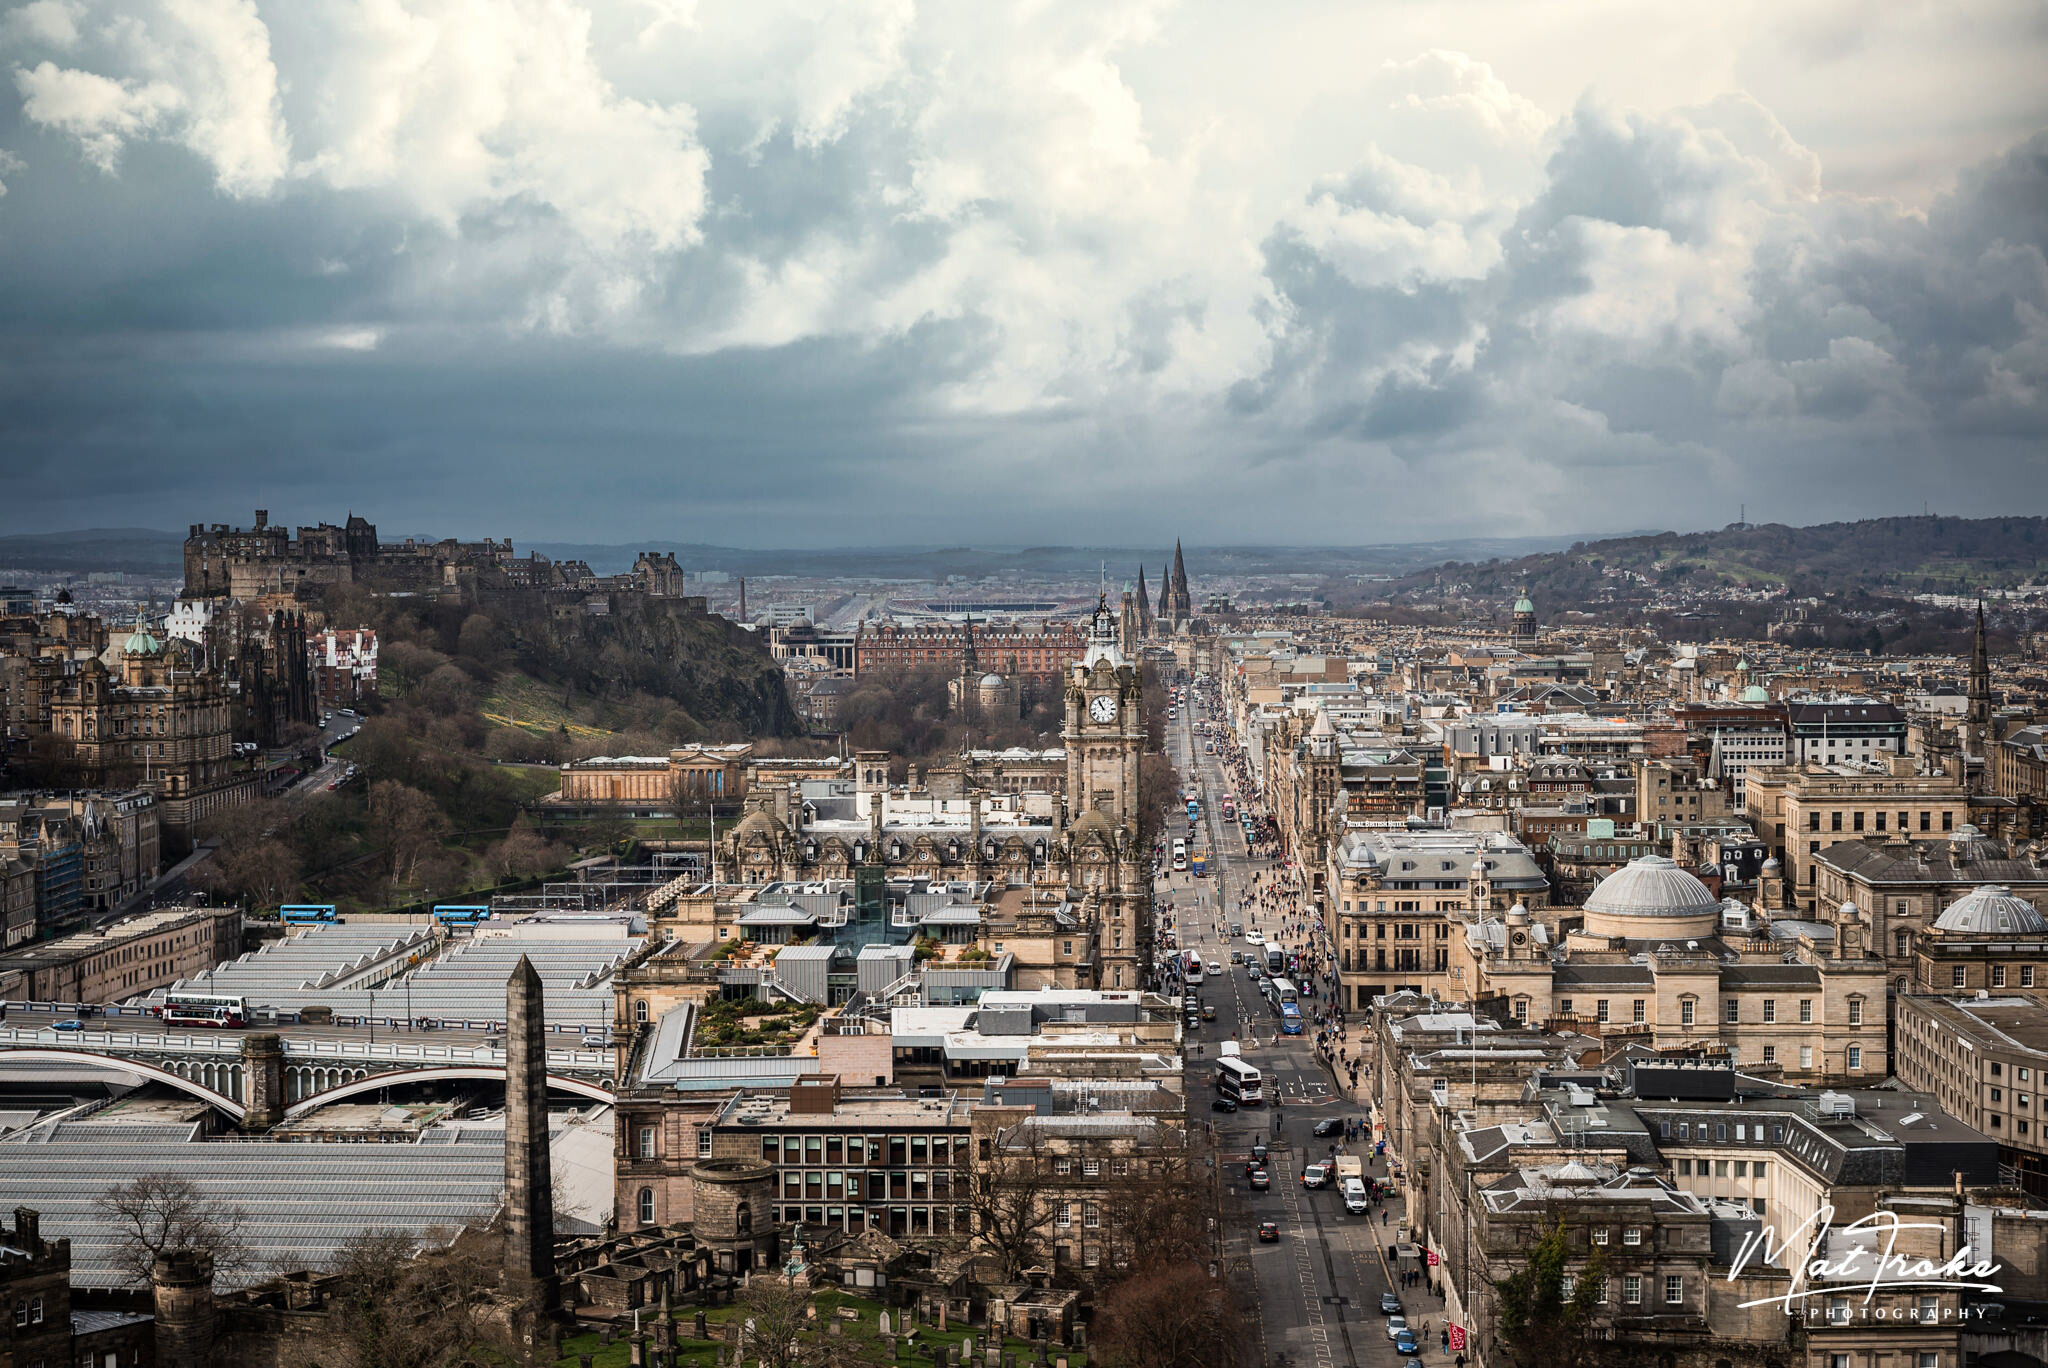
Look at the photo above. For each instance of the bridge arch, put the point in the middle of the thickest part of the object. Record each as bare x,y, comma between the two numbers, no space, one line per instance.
112,1064
362,1082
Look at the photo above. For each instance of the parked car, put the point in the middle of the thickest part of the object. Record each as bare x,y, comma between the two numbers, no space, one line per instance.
1223,1104
1390,1305
1269,1231
1261,1180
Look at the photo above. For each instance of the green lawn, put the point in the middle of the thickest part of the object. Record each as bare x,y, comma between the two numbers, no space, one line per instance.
863,1332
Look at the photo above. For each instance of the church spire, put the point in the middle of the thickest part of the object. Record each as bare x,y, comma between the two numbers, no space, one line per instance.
1980,680
1144,606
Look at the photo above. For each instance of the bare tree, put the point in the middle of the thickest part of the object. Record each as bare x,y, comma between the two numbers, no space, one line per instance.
1175,1316
401,1307
1013,1198
411,825
781,1332
162,1213
1158,1213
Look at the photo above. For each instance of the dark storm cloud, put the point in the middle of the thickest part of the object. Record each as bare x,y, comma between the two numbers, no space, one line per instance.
896,276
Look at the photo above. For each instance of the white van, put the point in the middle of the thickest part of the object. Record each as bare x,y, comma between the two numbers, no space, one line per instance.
1354,1196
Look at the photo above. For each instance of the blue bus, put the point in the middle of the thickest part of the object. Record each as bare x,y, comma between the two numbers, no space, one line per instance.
1290,1019
308,914
456,916
1194,810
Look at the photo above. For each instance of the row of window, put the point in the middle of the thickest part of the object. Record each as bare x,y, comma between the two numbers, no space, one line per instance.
1948,821
1684,1167
1631,1288
1731,1009
849,1149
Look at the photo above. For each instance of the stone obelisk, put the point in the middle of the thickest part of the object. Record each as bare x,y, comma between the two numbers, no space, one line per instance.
529,1181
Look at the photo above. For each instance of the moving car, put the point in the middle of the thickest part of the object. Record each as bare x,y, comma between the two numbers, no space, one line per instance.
1397,1326
1390,1305
1261,1180
1355,1200
1315,1175
1223,1104
1329,1125
1258,1155
1269,1231
1215,968
1404,1343
1208,1013
1253,937
72,1025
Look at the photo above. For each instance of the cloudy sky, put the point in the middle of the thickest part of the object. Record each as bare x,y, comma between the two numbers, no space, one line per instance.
979,272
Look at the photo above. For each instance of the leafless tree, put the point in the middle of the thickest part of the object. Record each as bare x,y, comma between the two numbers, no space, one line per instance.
1013,1196
162,1213
399,1306
1175,1316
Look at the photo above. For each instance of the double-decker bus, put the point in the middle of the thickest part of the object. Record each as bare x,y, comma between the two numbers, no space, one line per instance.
1191,970
1276,960
1239,1081
1280,991
307,914
1194,810
204,1009
1199,863
1290,1019
454,915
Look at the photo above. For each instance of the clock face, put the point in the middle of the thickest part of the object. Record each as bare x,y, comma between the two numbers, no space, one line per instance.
1102,708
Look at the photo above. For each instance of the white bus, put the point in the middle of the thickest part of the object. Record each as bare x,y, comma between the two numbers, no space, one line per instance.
1239,1081
204,1009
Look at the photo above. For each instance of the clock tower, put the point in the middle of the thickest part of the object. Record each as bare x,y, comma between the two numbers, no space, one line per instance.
1105,727
1106,871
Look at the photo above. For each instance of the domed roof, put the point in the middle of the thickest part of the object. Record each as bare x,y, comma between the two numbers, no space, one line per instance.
1652,886
1094,819
1523,605
140,642
1755,693
1993,909
992,680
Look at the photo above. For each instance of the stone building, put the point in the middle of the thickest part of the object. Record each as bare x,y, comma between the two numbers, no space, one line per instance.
146,716
1799,811
1654,958
1983,1058
1895,888
131,957
39,1325
651,785
1074,853
1398,902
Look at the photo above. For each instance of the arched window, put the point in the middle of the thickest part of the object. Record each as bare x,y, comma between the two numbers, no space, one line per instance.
640,1009
743,1219
646,1206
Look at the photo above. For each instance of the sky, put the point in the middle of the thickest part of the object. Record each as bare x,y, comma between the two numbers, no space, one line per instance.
876,272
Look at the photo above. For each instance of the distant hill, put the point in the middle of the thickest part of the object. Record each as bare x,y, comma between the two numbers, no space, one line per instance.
911,562
1889,557
131,550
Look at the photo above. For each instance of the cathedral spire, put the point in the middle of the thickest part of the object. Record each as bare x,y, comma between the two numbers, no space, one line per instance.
1144,606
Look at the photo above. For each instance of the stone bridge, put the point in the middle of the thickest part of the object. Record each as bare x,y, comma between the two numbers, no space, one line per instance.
261,1078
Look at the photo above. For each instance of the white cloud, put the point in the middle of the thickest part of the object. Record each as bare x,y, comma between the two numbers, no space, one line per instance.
44,23
101,114
10,165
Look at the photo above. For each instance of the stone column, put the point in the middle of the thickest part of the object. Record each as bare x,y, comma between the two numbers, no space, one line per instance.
529,1194
262,1081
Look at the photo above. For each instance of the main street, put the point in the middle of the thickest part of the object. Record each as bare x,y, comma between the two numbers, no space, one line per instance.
1318,1287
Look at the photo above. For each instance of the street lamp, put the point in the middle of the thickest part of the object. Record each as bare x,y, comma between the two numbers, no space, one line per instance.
373,1016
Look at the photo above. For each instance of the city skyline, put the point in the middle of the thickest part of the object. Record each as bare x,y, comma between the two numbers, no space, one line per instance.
609,272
